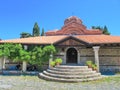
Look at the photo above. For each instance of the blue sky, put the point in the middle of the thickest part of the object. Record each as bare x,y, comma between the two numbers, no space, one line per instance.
18,16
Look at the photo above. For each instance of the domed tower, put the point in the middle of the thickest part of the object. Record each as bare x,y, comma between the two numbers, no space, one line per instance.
73,26
72,19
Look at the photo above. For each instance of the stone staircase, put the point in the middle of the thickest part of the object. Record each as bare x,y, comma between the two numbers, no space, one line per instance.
66,73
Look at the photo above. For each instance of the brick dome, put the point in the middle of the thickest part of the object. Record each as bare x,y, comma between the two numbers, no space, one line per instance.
72,19
73,26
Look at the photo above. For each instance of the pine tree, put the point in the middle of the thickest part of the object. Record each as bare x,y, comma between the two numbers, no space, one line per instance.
36,30
103,29
43,33
93,27
25,35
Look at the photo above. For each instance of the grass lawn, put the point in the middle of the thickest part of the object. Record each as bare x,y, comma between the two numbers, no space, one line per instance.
34,83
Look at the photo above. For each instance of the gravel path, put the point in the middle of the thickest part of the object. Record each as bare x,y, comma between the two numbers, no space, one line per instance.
34,83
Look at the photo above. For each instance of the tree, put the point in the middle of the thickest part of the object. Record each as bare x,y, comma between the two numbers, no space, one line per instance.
36,30
97,27
19,54
103,29
43,33
93,27
5,50
48,50
14,52
25,35
40,56
37,56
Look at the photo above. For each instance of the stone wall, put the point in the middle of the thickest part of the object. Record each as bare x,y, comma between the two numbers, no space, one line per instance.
86,54
109,57
61,55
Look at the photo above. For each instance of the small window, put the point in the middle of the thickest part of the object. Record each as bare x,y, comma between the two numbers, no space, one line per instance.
73,33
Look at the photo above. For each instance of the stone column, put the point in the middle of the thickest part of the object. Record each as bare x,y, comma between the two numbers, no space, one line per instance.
50,59
25,47
64,61
78,56
96,55
1,64
24,66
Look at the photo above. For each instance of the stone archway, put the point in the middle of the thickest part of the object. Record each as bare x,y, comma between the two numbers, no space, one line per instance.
71,55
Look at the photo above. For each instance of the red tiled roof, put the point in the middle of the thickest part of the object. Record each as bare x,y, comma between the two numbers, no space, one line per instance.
87,32
91,39
35,40
98,39
93,32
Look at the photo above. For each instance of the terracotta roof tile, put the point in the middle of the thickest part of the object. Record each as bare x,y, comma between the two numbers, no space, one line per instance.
35,40
92,39
99,38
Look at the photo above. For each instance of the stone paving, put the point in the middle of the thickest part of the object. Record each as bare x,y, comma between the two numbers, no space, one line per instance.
34,83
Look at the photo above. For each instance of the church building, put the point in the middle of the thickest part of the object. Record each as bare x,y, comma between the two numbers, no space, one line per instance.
77,44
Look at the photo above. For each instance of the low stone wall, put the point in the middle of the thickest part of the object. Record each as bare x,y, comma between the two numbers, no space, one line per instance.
10,66
8,72
109,68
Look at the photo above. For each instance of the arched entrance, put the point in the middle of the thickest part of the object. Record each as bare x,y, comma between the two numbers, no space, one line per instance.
71,55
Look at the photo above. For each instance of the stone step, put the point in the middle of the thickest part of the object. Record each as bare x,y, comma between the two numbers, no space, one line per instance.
71,73
66,73
41,75
71,76
71,67
71,70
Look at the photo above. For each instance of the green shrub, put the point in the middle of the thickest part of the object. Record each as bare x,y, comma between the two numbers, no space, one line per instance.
94,66
52,63
89,62
58,61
